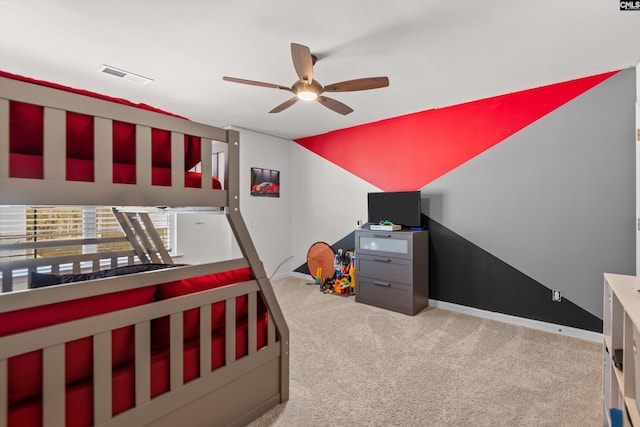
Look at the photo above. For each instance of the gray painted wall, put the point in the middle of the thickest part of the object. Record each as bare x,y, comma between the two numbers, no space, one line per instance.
557,199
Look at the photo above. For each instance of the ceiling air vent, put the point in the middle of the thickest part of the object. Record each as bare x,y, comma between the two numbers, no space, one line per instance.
127,75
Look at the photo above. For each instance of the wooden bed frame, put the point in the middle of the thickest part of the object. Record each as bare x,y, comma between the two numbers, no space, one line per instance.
234,394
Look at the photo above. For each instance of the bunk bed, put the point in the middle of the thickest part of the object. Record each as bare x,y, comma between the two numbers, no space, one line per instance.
142,341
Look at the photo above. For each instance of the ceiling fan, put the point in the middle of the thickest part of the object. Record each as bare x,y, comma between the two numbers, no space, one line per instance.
308,89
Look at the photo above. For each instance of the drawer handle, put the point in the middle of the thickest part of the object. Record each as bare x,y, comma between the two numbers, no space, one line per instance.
382,260
386,284
386,236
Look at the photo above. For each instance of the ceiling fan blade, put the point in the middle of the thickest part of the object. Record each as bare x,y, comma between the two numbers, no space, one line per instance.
303,62
334,105
358,84
285,105
254,83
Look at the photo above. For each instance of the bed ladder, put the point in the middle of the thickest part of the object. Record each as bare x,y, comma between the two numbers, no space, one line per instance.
143,236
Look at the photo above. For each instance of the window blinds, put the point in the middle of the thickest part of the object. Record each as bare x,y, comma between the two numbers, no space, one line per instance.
20,224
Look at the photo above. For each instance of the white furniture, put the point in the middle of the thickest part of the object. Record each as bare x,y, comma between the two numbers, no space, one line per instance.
621,337
392,269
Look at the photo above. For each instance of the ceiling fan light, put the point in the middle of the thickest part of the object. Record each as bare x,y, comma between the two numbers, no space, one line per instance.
307,95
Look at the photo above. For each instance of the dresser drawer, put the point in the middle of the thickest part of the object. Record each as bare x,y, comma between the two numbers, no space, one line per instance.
397,244
385,268
385,294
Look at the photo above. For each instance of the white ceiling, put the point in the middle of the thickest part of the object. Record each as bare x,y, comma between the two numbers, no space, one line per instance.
436,53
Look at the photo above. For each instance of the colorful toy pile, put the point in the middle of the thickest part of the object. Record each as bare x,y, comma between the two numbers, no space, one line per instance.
344,280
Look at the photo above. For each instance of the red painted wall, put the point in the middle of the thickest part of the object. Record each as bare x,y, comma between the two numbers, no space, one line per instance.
408,152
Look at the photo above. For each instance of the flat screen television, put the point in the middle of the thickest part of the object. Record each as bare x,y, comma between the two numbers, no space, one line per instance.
400,207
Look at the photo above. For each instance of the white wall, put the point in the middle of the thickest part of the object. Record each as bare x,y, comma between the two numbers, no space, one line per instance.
328,201
204,237
267,218
208,237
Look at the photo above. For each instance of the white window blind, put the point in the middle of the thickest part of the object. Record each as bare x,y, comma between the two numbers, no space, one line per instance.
13,228
44,223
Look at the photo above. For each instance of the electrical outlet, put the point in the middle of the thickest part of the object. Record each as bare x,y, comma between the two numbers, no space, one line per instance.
556,296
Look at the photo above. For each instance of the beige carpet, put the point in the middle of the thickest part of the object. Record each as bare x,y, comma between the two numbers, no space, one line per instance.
357,365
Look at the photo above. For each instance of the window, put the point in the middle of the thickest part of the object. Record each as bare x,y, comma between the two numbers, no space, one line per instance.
20,224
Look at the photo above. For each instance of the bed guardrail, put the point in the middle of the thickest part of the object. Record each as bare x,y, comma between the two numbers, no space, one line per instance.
16,273
51,156
141,239
53,338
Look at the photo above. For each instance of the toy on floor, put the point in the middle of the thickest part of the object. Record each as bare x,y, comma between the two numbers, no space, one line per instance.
343,282
320,258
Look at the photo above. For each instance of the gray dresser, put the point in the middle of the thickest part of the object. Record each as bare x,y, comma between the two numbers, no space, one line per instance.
392,269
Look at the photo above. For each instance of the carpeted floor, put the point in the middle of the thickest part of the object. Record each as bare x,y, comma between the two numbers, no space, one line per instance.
357,365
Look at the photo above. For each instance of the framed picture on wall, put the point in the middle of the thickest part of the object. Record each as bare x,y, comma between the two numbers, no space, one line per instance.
265,182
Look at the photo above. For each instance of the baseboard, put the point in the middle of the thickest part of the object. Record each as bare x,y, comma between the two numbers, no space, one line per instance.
519,321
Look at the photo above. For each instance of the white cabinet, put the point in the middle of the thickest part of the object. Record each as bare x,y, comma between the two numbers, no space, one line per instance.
621,331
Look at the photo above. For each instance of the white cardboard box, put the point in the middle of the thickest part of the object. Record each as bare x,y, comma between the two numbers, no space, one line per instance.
380,227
